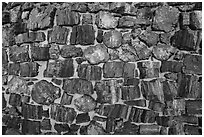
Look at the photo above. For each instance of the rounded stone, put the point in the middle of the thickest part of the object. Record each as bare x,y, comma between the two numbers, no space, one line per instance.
112,39
85,103
44,92
96,54
163,52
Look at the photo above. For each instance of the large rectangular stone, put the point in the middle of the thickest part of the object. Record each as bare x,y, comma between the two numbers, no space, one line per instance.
58,35
39,52
29,69
149,130
31,127
113,69
171,66
19,53
32,111
30,37
130,92
194,107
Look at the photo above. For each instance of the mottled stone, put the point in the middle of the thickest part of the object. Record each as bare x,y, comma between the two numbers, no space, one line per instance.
85,103
58,35
192,64
83,35
89,72
184,40
95,128
77,85
79,6
80,60
128,129
96,54
106,20
41,18
112,39
126,22
149,37
65,17
15,14
99,37
97,6
61,127
107,91
149,130
87,19
30,37
5,17
82,118
13,68
163,52
18,85
8,36
171,66
44,92
29,69
196,20
165,18
171,76
66,99
144,16
60,68
69,51
129,70
54,51
39,52
148,69
192,130
113,69
165,38
31,127
19,53
14,99
185,19
46,124
32,111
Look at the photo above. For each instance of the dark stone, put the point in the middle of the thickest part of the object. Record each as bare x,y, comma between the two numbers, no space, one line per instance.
140,103
8,36
31,127
149,37
83,35
156,106
98,118
41,18
29,69
83,130
5,17
82,118
13,122
17,85
95,128
105,20
112,39
89,72
32,111
165,18
170,92
148,69
196,20
66,99
65,17
148,116
44,92
176,129
96,54
107,91
104,110
193,64
61,128
126,22
14,99
19,54
62,114
192,130
130,92
128,129
165,121
171,66
12,131
131,82
187,119
171,76
175,107
77,85
4,56
30,37
80,60
113,69
184,40
13,68
110,125
4,102
149,130
129,70
57,81
99,37
45,124
19,27
39,52
194,107
60,68
54,51
87,19
74,127
189,86
58,35
71,51
165,38
136,115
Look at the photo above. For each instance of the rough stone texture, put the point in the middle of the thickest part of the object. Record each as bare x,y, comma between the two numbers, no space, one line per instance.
58,35
101,68
96,54
112,39
106,20
60,68
85,103
83,35
70,51
45,93
65,17
165,18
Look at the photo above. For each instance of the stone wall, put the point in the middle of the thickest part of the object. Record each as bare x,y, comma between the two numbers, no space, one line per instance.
102,68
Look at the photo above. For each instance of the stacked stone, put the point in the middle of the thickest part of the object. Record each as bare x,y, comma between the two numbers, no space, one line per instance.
102,68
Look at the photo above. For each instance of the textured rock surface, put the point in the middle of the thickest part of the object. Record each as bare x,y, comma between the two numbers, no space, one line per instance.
101,68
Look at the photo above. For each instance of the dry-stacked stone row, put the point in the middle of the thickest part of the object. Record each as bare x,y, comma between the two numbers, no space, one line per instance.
102,68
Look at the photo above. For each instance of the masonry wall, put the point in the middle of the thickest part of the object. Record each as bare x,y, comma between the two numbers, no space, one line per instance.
102,68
